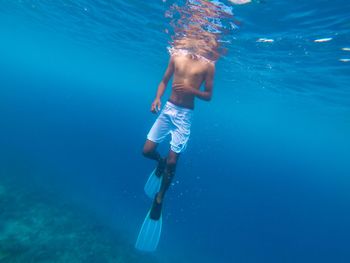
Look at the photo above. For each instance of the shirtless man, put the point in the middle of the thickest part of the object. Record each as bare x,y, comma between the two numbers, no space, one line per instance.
190,72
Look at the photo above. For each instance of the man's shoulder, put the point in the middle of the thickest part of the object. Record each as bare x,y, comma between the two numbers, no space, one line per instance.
210,66
175,59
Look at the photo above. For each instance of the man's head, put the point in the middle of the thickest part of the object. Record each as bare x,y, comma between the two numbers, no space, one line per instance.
199,42
199,28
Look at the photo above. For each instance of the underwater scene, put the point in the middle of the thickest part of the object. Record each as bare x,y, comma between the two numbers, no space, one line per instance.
171,131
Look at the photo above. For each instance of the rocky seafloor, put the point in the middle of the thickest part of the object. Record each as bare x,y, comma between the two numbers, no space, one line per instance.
37,227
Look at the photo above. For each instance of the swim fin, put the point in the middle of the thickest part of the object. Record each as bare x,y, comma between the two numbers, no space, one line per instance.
151,229
152,185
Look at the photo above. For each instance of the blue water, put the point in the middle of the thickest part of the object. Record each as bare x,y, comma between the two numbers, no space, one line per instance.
265,177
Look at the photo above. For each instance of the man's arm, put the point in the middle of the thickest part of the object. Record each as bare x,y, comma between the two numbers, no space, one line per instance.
208,86
162,86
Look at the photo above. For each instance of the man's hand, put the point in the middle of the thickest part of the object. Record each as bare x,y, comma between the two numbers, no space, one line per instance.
203,95
155,107
180,88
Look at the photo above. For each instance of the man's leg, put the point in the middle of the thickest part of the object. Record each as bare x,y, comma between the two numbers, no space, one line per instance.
150,151
168,175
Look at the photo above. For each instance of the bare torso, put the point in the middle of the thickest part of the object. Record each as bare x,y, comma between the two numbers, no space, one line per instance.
189,72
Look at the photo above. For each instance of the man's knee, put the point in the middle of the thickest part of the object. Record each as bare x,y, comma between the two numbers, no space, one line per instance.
171,162
147,151
149,148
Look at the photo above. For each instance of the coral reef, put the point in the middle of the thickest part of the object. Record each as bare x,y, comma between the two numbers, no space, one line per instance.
36,227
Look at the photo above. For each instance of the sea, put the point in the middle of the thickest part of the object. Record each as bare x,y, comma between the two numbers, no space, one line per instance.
265,177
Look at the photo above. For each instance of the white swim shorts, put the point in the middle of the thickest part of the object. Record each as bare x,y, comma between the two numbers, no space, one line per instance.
175,120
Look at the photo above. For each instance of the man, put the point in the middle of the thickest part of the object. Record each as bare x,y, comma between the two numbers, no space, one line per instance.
191,64
190,72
